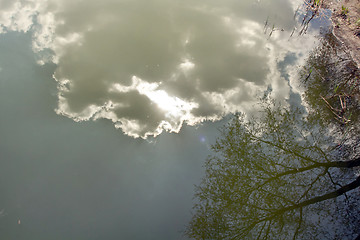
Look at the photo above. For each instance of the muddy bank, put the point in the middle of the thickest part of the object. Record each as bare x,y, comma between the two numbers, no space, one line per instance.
346,25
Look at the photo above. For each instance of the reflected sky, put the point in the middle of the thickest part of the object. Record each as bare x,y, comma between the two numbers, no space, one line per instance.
150,66
147,66
69,180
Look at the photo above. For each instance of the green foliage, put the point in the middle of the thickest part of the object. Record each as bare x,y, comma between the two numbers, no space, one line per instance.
316,2
263,175
344,10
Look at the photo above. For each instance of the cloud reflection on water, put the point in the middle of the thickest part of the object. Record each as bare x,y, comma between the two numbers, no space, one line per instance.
150,66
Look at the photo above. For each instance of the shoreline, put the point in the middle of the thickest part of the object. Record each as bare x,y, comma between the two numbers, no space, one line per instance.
346,26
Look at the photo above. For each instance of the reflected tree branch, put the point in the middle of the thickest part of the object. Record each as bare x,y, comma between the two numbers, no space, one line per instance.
266,178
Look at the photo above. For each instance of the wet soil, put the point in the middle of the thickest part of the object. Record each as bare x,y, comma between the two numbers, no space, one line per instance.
346,25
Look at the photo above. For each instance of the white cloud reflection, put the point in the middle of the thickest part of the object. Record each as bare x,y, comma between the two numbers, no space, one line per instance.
150,66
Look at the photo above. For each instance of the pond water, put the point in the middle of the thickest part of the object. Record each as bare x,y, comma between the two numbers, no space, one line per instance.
148,68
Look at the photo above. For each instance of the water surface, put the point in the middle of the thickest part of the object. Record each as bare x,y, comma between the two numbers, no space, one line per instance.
145,67
150,66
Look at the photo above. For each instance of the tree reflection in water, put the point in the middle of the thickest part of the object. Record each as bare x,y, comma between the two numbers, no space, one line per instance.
276,177
332,84
289,174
